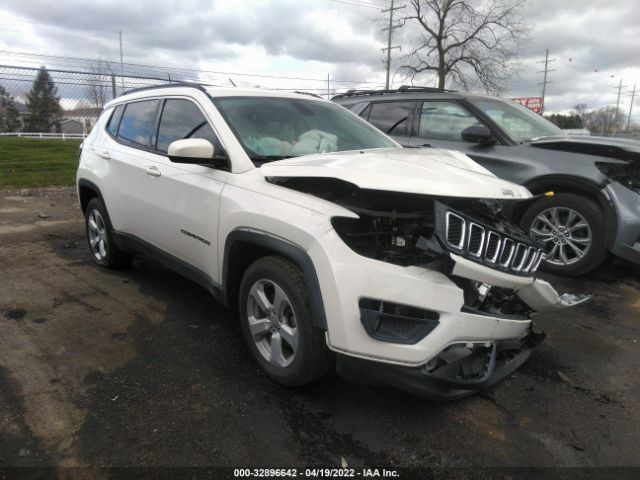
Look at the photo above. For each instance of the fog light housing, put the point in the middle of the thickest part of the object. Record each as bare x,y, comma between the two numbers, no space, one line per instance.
395,323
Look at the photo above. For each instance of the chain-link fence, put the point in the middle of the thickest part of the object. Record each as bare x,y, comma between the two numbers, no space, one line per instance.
81,94
44,151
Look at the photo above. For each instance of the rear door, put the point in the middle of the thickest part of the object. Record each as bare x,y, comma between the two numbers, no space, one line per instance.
124,153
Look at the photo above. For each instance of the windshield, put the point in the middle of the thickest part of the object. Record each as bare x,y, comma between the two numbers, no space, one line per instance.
518,122
271,128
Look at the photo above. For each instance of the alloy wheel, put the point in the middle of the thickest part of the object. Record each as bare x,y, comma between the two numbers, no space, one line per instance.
97,235
272,323
565,232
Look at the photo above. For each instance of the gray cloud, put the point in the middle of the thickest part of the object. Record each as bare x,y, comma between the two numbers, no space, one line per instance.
582,36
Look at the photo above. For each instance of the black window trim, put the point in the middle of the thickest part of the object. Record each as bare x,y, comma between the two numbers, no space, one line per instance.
151,147
481,118
409,127
123,141
156,130
115,107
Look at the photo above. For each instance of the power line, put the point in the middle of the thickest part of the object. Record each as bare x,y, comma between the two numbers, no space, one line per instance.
181,69
356,3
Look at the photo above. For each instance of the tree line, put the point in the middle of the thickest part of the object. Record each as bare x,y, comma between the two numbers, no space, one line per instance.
43,104
605,120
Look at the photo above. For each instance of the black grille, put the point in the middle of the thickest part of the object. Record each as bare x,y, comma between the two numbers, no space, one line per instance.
455,230
493,246
507,252
391,322
518,257
490,247
476,240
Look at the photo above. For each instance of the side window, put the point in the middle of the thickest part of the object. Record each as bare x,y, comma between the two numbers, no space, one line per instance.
183,119
137,122
114,121
442,120
390,117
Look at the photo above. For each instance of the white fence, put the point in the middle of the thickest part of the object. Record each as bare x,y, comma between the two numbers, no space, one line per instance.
62,136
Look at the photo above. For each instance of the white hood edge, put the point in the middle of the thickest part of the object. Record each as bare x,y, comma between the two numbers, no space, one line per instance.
422,171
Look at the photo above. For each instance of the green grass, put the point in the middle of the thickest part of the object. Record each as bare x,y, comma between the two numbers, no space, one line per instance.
32,162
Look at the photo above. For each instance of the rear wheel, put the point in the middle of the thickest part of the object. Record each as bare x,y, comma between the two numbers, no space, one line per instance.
277,325
102,248
570,226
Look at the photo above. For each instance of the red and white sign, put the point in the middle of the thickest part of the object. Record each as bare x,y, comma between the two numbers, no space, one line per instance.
532,103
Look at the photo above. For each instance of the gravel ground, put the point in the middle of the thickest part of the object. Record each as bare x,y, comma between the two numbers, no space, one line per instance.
141,368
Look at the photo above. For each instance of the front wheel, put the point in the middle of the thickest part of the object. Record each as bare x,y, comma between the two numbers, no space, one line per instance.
571,228
277,325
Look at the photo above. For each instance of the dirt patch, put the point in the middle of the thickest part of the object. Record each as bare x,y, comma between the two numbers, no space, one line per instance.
103,367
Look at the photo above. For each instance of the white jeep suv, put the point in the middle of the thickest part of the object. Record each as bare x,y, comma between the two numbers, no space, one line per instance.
338,247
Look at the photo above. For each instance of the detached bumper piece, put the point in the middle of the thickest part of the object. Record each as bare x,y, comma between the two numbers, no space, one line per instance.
458,371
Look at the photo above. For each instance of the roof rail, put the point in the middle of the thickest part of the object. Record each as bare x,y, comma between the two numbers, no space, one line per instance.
166,85
402,89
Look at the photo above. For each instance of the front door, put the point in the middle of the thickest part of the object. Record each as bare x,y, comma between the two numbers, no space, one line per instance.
183,200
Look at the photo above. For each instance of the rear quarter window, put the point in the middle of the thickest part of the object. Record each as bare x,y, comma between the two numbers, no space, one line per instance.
114,121
138,121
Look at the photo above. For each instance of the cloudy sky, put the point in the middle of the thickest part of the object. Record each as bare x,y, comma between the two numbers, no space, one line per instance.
595,43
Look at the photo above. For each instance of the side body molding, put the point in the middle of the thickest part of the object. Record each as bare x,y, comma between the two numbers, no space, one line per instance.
288,250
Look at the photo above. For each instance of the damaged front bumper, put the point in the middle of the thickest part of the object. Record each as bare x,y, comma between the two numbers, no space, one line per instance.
456,372
404,326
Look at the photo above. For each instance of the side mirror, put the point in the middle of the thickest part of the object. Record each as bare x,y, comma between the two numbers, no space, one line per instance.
191,150
478,134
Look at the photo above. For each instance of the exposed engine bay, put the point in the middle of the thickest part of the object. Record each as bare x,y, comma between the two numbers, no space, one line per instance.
401,228
417,230
627,174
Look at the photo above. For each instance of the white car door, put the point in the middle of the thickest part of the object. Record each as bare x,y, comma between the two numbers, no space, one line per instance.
182,200
124,153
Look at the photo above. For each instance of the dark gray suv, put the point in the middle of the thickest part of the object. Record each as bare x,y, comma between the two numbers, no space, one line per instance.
596,180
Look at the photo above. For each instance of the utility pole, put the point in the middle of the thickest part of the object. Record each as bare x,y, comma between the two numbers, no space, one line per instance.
546,62
633,94
390,30
615,117
328,94
121,64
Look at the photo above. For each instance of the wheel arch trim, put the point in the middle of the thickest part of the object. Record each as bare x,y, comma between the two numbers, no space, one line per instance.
288,250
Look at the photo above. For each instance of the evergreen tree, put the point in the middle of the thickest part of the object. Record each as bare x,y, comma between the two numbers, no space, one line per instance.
43,103
9,121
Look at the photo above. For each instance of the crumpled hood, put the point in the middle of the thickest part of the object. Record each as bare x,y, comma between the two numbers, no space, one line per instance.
426,171
610,147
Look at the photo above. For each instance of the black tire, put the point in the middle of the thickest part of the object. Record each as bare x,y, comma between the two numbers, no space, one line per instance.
109,256
312,358
591,213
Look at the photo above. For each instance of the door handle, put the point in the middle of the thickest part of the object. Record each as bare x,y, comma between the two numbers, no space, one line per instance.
104,154
152,170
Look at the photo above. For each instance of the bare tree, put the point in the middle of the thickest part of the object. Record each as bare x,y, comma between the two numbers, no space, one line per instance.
605,120
98,89
469,45
582,110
